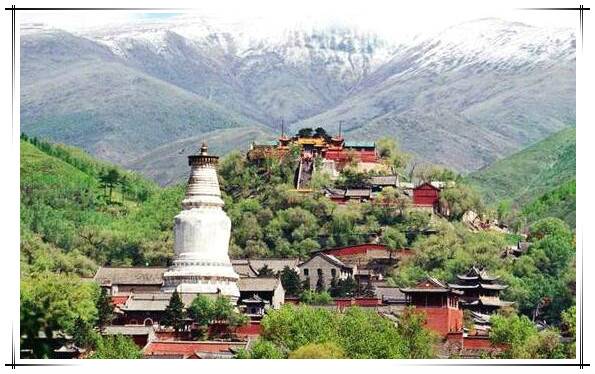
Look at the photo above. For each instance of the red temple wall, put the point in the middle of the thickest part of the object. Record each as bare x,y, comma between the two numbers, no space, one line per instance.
425,195
443,320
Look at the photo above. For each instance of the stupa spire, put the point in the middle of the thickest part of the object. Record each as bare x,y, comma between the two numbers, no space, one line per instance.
203,185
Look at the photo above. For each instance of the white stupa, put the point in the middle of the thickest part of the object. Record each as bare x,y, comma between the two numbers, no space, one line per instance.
201,236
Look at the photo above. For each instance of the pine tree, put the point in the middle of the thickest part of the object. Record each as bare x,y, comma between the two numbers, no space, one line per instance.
105,310
320,284
109,180
291,282
265,272
306,284
83,335
334,289
348,286
175,314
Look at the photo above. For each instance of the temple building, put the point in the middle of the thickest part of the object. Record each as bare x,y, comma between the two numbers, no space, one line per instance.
201,236
333,151
440,304
481,292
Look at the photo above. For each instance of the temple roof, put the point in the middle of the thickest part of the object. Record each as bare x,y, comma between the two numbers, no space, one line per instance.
358,192
478,285
153,302
185,349
476,274
330,258
359,144
488,301
258,284
130,275
389,180
255,299
127,330
432,285
244,269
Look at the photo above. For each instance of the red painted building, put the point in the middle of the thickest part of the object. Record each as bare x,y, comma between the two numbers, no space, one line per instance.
426,195
439,303
366,251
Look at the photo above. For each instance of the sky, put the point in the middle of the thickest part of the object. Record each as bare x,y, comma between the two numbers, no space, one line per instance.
386,18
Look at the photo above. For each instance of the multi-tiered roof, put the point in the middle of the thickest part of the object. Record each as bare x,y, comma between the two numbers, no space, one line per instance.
481,291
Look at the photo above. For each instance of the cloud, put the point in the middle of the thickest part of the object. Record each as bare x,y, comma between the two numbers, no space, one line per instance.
390,19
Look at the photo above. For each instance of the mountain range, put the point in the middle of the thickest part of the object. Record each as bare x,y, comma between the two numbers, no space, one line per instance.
145,95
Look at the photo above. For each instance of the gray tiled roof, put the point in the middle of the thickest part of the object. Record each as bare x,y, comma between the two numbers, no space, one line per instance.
334,192
154,301
389,180
130,275
329,258
358,193
128,330
389,293
243,268
257,284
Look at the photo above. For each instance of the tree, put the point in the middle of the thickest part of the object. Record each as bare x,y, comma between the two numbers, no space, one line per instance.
334,288
262,349
291,282
175,314
105,309
305,133
515,332
351,178
266,272
549,227
201,310
569,330
320,351
319,132
394,240
347,286
365,334
116,347
109,180
294,326
51,303
419,341
391,155
83,334
316,298
461,199
320,287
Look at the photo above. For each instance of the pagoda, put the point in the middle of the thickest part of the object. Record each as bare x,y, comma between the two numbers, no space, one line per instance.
201,236
481,292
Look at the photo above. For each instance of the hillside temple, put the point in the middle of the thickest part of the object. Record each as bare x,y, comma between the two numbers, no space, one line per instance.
201,265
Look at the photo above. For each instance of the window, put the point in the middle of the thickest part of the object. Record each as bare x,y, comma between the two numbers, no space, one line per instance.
306,273
319,273
333,273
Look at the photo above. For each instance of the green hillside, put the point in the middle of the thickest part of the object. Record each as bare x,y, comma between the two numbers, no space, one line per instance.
66,206
530,173
560,203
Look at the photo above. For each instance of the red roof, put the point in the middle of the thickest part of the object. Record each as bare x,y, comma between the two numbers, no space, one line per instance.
189,348
362,249
119,300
